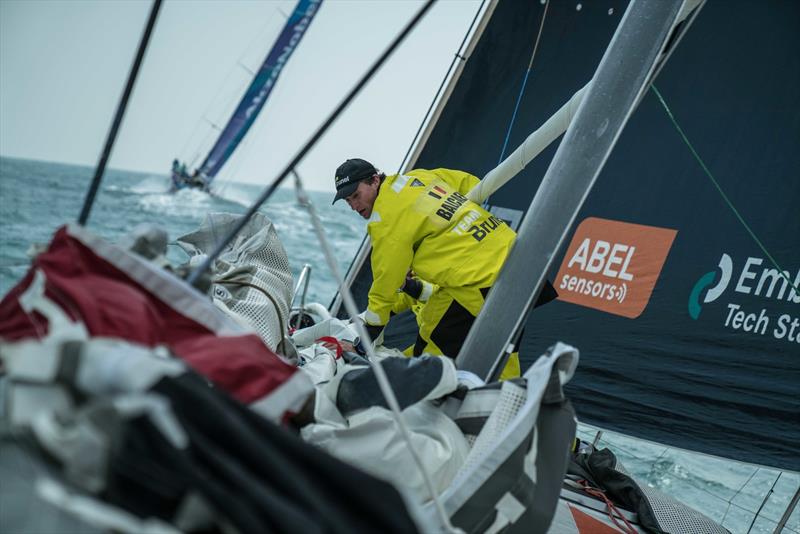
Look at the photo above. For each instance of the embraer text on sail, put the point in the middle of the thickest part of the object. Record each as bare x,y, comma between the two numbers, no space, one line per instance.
613,266
745,282
767,282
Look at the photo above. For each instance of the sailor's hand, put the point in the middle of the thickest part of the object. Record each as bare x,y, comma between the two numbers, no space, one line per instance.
412,286
346,346
416,288
359,319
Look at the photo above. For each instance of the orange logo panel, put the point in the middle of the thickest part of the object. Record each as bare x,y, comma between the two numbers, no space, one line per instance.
613,266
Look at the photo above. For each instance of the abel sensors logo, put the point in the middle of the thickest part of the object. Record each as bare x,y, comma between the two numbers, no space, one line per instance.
613,266
774,290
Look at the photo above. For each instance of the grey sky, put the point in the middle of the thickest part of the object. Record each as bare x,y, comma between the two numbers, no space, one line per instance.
63,65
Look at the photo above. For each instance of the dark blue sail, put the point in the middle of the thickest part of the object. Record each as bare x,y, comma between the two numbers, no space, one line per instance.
683,301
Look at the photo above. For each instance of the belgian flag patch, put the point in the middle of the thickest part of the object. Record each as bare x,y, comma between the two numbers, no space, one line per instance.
437,192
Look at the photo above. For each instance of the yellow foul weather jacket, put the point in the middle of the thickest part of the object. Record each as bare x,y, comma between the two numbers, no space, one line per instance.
422,221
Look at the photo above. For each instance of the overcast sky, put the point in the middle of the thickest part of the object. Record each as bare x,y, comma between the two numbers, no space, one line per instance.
63,66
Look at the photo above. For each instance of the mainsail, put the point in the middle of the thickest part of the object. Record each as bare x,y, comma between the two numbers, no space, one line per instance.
259,89
687,329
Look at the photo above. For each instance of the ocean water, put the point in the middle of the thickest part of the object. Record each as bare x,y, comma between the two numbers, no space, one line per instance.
36,198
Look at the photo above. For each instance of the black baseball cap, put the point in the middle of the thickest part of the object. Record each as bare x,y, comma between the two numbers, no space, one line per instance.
349,174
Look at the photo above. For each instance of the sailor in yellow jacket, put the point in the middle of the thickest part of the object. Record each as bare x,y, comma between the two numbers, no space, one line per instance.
421,221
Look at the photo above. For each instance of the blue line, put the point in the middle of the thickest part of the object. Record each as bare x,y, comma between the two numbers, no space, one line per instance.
514,116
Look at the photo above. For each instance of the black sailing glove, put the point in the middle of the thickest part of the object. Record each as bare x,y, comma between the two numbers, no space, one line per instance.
374,331
412,287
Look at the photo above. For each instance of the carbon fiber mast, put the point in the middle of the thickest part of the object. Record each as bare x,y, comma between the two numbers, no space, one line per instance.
622,76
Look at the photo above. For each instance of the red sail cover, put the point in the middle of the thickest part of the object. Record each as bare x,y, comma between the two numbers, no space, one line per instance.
117,294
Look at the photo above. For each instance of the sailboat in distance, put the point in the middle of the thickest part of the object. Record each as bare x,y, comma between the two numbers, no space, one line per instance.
251,103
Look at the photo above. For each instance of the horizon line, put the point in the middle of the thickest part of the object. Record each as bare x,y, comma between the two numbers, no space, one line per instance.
150,173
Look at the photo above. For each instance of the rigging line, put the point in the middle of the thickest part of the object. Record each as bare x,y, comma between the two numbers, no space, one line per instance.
787,514
270,189
123,104
456,57
746,482
524,83
695,486
766,497
235,163
204,143
225,80
719,189
380,374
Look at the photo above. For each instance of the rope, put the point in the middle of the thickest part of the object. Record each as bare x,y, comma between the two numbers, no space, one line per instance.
240,87
123,104
457,56
524,83
746,482
662,471
720,190
613,513
766,498
741,220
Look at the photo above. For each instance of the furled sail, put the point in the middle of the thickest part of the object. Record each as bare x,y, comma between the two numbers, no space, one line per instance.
260,88
689,333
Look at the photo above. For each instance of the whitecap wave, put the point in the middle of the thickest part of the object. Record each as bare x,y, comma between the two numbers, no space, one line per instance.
235,193
186,202
148,184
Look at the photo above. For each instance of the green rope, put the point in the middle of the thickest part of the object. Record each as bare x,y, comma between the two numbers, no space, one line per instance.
721,192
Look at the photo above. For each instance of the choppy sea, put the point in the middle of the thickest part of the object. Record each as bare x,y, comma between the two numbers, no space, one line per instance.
38,197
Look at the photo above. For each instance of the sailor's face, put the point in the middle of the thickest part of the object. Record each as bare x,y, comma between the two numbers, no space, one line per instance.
363,198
